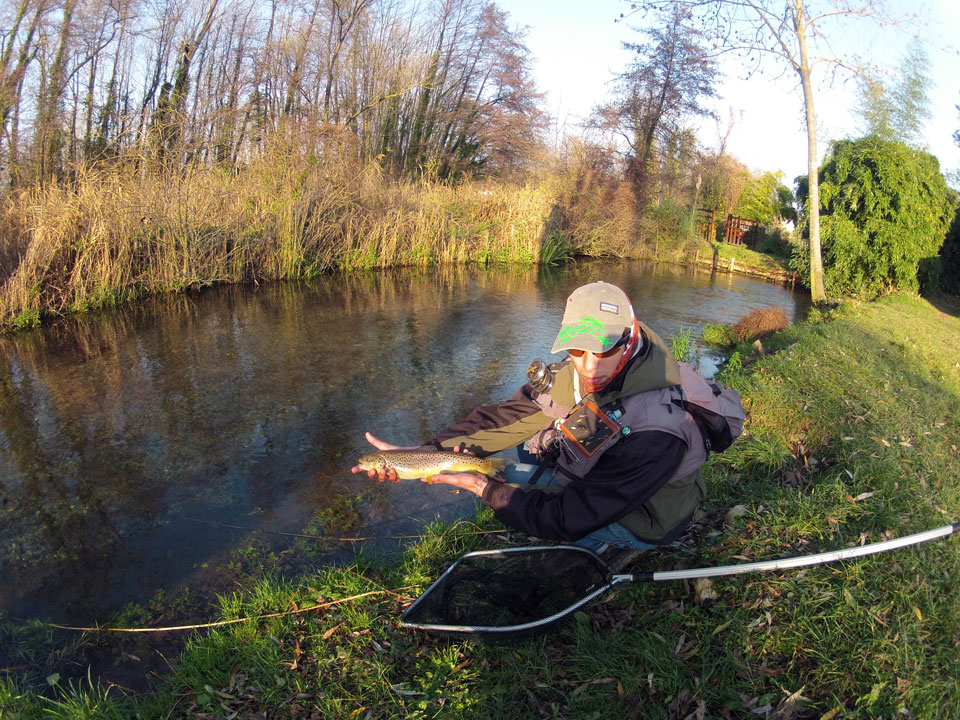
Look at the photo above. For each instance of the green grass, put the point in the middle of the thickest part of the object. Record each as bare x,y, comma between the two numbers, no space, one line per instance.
852,435
745,257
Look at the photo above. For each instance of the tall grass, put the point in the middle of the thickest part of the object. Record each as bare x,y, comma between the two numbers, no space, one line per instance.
302,207
117,233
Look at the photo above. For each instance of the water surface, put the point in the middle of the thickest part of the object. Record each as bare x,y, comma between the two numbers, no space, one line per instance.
139,448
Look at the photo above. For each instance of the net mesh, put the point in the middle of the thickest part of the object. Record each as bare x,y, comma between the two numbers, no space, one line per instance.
502,589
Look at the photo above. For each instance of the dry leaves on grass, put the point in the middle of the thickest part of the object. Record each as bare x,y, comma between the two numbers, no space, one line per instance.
685,707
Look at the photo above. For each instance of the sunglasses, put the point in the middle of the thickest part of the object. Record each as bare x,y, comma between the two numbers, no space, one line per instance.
606,353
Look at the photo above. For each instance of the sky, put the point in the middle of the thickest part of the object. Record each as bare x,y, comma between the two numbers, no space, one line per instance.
576,47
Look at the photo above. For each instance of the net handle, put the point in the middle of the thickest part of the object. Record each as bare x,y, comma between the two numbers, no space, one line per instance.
793,562
660,576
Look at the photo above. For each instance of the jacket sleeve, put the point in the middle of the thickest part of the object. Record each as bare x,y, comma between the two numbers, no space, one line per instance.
492,428
624,478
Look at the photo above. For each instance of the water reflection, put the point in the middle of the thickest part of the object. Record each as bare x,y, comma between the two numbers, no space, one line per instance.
247,407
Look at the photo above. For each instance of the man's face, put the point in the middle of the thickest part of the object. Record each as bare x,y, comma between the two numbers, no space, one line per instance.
593,369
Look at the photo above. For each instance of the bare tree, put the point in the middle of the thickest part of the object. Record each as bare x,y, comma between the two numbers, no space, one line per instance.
665,85
168,119
442,86
48,138
495,118
19,49
792,34
343,17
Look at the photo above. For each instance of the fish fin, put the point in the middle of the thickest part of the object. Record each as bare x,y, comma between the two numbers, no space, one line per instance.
499,464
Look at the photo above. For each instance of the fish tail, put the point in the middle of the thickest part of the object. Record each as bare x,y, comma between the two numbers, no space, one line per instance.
498,464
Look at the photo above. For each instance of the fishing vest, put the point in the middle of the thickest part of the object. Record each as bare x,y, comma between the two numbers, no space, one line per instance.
635,409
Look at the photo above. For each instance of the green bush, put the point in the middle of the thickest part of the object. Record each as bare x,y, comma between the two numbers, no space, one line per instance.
767,200
950,258
719,335
884,207
555,249
27,320
770,241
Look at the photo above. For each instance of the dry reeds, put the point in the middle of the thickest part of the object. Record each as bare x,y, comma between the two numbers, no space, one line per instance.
114,234
761,322
302,207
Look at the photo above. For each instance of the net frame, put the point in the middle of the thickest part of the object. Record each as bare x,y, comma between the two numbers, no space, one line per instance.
585,586
595,589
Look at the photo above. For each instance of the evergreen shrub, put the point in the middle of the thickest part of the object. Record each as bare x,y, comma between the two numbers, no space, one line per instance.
884,207
950,257
719,335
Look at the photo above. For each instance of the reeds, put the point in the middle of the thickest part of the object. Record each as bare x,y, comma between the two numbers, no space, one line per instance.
303,207
117,233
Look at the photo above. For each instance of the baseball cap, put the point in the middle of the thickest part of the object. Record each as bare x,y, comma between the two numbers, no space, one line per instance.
594,319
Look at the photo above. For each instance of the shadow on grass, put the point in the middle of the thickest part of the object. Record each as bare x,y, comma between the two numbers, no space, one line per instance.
945,303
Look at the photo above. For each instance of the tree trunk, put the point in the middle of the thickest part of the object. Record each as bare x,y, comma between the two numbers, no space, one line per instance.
817,292
416,141
170,117
11,84
49,137
296,74
10,79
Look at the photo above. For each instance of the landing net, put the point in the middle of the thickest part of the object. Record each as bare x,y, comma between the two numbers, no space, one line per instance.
516,590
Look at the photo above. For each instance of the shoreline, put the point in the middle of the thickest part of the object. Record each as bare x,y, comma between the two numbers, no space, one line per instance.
818,469
716,264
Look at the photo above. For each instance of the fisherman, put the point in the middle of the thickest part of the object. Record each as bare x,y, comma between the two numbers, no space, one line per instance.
616,460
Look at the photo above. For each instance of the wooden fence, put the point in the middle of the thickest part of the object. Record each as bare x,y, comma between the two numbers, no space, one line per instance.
706,223
736,227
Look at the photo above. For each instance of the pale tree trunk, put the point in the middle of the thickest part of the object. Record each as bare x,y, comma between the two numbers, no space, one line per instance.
11,86
817,292
296,75
343,16
170,117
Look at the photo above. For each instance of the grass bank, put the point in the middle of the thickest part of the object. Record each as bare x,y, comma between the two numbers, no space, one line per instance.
722,257
852,437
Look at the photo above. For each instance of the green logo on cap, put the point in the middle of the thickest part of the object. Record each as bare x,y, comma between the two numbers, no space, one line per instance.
586,326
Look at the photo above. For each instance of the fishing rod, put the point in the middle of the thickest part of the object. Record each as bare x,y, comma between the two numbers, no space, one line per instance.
508,593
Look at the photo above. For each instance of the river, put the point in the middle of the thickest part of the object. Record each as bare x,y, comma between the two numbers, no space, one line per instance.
141,448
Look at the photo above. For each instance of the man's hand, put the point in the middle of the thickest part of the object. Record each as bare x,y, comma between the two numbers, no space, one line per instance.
470,481
384,473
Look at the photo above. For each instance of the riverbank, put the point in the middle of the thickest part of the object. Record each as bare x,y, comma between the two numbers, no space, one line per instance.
720,257
117,234
852,437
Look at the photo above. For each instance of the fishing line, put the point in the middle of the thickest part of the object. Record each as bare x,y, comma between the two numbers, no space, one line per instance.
222,623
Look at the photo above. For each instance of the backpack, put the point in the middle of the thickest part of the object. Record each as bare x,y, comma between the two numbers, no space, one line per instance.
717,411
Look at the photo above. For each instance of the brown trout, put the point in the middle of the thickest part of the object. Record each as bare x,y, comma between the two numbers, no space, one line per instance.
411,464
